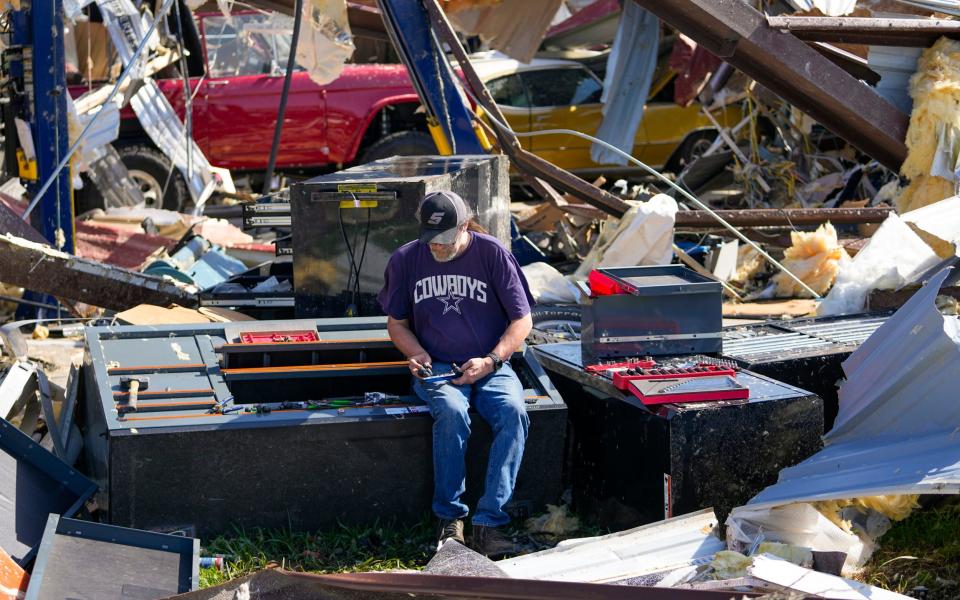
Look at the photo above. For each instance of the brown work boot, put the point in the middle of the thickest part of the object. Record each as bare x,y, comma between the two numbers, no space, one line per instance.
491,542
449,529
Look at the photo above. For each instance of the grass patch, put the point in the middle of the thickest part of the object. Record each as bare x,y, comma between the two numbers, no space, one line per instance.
344,549
922,550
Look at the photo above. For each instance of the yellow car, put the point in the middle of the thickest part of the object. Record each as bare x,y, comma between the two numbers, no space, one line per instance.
563,94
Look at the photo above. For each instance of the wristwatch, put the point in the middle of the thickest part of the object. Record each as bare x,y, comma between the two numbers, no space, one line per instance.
497,361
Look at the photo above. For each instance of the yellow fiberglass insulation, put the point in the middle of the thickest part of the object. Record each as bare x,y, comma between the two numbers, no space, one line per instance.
923,191
815,258
935,89
895,507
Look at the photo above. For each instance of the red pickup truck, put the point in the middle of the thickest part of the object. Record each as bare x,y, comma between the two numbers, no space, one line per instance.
369,112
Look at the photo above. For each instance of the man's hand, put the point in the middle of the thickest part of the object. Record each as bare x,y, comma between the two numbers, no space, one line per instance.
474,369
418,361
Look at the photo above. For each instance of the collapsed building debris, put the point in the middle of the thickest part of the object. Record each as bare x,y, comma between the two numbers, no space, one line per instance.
884,444
741,36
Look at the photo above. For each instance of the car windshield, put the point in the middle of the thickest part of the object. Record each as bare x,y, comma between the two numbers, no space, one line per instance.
252,44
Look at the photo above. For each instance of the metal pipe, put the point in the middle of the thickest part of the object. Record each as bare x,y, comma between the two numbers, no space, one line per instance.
288,76
784,217
123,75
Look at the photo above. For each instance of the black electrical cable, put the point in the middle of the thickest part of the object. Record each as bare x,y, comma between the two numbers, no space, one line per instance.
363,252
353,264
288,76
353,279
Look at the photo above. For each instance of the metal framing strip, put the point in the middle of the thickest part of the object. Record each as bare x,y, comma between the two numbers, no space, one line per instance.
167,393
316,368
659,338
156,369
921,33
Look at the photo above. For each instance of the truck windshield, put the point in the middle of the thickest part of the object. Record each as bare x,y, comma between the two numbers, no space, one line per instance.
248,44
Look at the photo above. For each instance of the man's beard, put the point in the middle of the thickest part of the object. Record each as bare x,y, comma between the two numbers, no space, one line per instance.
443,258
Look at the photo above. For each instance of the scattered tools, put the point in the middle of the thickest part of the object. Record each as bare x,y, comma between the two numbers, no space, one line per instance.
132,385
626,363
367,400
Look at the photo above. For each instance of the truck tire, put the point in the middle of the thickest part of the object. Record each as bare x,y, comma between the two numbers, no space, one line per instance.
402,143
556,323
150,168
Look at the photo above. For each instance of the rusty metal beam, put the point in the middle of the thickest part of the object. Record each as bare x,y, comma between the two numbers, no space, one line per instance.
920,33
783,217
738,34
50,271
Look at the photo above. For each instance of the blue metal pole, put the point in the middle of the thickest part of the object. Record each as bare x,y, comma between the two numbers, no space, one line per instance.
408,24
49,123
38,28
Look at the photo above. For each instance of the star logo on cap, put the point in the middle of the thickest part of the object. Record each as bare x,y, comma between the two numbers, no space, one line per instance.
451,302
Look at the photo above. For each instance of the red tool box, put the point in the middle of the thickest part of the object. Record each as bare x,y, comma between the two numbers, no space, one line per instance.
688,389
621,379
673,380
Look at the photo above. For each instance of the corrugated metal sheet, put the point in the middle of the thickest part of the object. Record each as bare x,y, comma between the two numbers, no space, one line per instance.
950,7
630,69
895,65
846,331
655,548
831,8
756,344
897,432
921,465
904,379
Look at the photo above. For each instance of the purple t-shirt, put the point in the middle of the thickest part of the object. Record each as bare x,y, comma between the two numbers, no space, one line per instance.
459,309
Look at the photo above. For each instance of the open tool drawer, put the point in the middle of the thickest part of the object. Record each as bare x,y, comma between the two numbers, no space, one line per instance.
251,422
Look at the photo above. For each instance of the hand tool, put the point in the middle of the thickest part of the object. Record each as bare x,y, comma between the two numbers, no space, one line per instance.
132,385
443,377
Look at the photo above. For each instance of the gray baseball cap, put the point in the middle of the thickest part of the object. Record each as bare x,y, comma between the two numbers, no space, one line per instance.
440,213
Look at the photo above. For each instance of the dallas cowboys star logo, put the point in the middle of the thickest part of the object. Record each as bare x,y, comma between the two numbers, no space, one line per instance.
451,302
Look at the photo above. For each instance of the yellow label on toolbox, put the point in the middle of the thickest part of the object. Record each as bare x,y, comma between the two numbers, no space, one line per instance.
358,204
357,188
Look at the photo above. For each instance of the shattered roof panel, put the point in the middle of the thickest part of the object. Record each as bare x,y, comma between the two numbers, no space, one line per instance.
921,465
655,548
903,374
898,429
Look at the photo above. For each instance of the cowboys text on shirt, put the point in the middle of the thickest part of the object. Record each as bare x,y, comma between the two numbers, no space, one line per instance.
450,285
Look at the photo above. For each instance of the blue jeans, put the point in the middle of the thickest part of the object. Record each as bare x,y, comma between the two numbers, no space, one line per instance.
498,398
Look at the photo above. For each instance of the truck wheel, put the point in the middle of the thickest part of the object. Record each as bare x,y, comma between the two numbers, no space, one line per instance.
554,323
150,168
402,143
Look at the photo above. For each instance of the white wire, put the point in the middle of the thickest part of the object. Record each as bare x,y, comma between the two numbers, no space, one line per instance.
657,174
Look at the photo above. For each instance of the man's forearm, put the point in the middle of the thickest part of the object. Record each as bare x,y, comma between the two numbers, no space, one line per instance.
403,338
511,339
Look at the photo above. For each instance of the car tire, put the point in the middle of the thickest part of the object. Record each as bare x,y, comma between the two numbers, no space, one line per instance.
402,143
692,148
151,169
554,323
